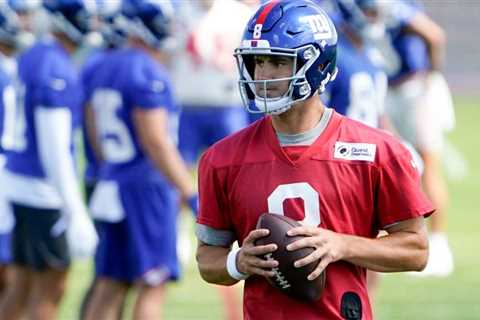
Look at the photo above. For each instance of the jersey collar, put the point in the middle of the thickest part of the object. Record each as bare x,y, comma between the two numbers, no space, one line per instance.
321,142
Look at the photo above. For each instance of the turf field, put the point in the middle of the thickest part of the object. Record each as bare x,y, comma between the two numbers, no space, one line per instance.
400,296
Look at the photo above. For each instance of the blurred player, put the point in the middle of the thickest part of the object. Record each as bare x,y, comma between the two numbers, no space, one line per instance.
26,10
359,89
343,179
205,80
205,75
420,106
9,40
113,38
51,221
134,203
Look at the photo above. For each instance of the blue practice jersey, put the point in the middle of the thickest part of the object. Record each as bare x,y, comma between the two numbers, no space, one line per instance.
47,79
128,79
413,55
7,101
359,89
87,75
411,49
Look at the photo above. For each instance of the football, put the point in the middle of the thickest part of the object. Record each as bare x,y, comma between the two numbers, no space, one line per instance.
289,279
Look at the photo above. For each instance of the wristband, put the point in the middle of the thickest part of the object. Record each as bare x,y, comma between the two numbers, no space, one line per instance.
232,265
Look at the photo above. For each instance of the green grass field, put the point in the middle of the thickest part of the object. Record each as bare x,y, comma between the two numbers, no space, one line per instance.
400,296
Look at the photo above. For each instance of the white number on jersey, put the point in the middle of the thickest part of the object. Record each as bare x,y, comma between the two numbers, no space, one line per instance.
117,145
366,98
14,122
301,190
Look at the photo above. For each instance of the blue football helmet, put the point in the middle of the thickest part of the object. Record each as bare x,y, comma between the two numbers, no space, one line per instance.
112,23
298,29
9,26
149,20
72,17
24,5
353,13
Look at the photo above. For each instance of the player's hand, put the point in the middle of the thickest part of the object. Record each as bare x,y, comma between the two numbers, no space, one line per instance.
249,258
329,247
82,237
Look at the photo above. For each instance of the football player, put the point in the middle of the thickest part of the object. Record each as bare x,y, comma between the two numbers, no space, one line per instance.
420,106
135,203
359,90
214,109
343,179
51,221
113,37
26,10
9,40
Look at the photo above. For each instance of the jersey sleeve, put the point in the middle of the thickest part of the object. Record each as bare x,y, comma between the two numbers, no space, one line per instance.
399,194
213,200
59,88
152,88
414,52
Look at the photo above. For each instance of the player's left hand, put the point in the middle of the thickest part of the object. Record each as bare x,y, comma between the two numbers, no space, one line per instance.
329,247
82,237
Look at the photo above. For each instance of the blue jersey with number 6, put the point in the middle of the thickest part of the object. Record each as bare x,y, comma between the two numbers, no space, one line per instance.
359,89
87,75
128,79
47,79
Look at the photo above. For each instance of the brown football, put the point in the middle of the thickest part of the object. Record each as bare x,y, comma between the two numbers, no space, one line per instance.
288,279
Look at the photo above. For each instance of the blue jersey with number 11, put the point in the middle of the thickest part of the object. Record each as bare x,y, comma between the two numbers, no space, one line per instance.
7,104
128,79
47,79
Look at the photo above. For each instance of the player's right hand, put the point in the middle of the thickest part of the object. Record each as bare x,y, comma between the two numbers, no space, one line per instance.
82,237
250,257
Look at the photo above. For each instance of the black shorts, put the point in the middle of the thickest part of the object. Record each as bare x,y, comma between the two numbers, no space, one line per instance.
89,188
33,244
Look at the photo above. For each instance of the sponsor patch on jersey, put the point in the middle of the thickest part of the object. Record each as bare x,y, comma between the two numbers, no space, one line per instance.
355,151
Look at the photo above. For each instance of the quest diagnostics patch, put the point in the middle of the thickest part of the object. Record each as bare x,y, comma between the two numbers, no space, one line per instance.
355,151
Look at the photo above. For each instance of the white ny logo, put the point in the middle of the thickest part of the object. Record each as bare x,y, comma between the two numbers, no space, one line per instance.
319,25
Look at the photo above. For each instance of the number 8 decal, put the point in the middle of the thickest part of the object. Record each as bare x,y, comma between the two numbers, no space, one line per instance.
257,31
301,190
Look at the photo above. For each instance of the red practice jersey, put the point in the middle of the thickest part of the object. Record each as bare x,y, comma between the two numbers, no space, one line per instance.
353,179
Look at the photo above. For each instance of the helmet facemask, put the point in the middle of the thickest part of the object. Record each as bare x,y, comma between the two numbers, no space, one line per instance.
298,90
